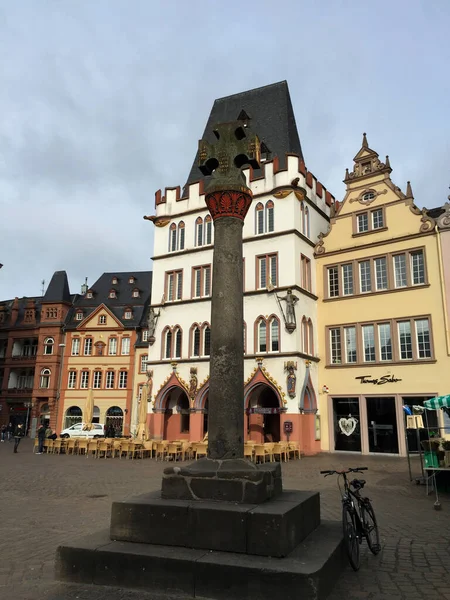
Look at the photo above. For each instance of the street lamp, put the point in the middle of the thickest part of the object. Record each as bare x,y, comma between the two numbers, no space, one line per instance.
58,390
27,406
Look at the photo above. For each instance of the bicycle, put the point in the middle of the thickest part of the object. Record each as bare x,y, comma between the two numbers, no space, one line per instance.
358,516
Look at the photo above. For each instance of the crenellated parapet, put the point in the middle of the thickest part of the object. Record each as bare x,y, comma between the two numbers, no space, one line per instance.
267,180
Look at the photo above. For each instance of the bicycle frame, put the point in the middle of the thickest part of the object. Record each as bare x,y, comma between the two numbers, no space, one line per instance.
349,498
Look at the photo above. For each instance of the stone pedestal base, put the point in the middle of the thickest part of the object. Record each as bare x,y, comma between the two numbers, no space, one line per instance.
309,572
223,480
274,528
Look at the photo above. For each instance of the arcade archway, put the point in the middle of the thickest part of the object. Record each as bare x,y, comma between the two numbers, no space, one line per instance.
176,414
263,410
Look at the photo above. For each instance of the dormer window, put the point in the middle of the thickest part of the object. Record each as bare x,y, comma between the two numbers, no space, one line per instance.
79,316
89,294
102,320
368,197
115,281
112,294
131,280
128,314
136,293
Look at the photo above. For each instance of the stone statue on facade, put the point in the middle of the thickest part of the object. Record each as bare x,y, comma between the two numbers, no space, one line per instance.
193,384
291,379
289,316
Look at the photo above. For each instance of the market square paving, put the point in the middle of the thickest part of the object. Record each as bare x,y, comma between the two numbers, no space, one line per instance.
48,500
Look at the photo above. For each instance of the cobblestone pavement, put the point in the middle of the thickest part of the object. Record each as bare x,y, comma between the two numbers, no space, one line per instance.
47,500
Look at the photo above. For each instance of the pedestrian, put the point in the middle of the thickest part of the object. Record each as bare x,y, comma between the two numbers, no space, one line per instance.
19,433
9,431
3,433
48,432
41,439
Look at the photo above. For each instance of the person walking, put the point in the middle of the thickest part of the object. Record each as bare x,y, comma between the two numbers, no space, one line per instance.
9,431
3,433
19,433
41,438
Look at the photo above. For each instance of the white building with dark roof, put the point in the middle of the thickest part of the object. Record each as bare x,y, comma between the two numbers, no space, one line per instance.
290,208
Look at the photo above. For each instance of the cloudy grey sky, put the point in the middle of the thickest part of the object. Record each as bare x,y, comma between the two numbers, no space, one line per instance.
102,102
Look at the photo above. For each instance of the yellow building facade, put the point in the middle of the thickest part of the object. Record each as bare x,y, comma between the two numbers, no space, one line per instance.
382,323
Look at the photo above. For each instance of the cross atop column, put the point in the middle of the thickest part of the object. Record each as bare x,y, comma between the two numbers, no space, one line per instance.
236,146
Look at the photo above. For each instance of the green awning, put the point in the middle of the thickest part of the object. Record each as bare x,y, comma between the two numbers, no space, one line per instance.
439,402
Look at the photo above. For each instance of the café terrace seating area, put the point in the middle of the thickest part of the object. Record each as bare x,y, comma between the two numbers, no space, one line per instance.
177,450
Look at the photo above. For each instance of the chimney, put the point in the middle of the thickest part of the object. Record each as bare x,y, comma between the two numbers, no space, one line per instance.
14,311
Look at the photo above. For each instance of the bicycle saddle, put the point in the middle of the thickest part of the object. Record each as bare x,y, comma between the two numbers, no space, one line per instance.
358,484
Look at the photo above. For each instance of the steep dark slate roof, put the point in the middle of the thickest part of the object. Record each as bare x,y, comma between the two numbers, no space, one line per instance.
124,293
271,118
435,213
58,288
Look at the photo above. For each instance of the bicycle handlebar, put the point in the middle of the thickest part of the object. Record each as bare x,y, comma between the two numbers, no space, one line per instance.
355,470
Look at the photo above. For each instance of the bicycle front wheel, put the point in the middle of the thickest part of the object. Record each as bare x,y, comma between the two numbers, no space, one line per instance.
351,540
370,526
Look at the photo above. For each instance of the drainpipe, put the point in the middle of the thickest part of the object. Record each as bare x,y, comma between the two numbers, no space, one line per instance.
443,290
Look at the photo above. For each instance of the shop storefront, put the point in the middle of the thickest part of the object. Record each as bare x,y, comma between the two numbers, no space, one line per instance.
373,423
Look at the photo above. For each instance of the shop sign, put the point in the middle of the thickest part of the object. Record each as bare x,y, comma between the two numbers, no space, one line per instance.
378,381
264,411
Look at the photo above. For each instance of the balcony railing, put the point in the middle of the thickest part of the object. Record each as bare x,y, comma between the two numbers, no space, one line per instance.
24,390
24,356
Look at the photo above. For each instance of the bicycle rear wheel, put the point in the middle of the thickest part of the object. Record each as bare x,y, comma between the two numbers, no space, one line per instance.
351,540
370,526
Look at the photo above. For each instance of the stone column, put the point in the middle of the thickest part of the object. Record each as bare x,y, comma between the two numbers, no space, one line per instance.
226,388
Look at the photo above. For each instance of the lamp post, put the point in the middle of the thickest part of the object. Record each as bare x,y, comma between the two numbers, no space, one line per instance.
27,406
58,390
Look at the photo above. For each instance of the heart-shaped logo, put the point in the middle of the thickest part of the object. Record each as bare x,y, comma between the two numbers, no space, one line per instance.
347,426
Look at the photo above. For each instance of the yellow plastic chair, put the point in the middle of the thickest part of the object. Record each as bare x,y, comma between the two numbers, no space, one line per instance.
268,446
55,446
260,453
82,447
248,451
161,450
279,450
174,451
36,444
92,447
200,450
104,447
294,449
71,445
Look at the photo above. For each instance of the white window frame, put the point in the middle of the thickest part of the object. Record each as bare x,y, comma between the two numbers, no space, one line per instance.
72,380
75,350
112,346
123,380
84,379
97,380
87,346
125,346
110,379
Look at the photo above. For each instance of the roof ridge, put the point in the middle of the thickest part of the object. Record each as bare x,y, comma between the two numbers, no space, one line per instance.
262,87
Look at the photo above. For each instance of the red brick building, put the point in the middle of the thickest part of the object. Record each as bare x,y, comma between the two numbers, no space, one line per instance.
31,350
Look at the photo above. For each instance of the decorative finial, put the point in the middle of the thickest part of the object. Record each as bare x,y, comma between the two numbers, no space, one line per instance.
364,142
409,193
346,174
388,164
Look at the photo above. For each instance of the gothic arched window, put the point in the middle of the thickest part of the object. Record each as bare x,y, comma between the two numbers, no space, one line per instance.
172,238
195,341
274,334
270,220
208,229
181,235
306,229
259,218
178,342
206,340
199,232
167,340
262,335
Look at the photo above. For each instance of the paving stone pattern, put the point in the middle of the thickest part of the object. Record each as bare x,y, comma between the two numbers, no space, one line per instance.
47,500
